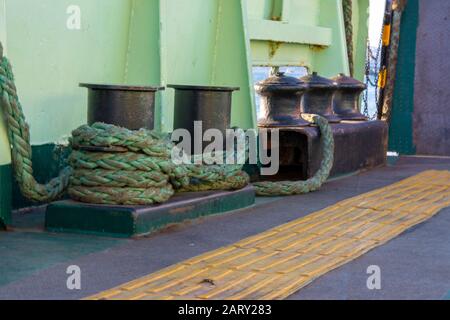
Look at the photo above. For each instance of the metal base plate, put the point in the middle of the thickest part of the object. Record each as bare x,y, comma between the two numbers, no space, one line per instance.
131,221
358,145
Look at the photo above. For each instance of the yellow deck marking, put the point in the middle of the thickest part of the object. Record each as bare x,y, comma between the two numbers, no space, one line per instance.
251,289
229,285
278,262
301,262
288,289
150,279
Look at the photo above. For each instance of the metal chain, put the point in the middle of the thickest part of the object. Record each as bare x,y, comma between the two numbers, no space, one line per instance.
375,60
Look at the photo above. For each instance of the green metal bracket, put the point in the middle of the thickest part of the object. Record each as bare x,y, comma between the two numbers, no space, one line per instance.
276,31
309,33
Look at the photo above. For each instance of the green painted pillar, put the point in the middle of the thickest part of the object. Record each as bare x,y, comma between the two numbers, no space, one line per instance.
232,63
401,127
333,59
205,49
360,36
144,56
5,155
177,45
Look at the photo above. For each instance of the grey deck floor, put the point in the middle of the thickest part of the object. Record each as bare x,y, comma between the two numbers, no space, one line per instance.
416,265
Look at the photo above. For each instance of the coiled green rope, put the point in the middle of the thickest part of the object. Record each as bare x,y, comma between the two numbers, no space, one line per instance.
143,173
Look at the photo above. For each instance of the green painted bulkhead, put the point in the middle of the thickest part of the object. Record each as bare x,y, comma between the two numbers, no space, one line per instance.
157,42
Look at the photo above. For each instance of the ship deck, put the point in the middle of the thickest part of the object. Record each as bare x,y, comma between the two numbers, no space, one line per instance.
414,265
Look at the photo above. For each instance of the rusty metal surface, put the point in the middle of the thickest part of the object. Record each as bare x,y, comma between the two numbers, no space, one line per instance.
120,87
358,145
432,95
202,88
131,107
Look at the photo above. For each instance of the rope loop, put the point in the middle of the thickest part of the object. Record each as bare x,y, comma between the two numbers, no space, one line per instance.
19,139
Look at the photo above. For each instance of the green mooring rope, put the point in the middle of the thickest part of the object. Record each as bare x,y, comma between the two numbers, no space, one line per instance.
348,21
19,139
143,173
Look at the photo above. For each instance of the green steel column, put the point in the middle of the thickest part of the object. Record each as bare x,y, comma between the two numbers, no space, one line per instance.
401,126
232,62
144,51
187,40
333,59
174,44
360,36
5,155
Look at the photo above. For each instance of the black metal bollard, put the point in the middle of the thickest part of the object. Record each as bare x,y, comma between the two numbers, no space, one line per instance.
131,107
280,101
211,105
346,103
318,98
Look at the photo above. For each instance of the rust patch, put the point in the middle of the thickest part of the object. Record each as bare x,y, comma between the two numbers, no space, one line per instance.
273,48
317,47
181,210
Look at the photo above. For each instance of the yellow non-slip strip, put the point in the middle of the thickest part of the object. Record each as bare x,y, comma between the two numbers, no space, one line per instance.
277,263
